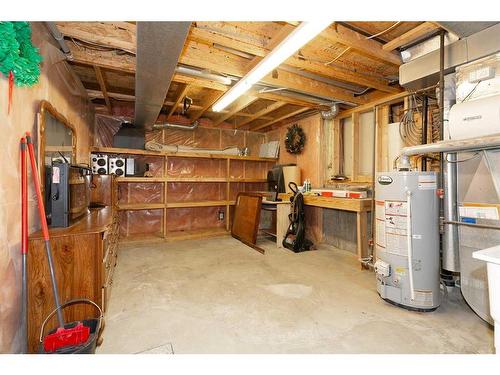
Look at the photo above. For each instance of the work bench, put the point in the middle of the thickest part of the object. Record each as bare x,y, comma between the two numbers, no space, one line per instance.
360,206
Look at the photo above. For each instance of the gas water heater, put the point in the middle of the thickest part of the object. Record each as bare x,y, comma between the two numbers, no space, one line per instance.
407,239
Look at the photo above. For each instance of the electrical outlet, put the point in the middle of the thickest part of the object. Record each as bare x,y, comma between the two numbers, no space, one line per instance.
221,215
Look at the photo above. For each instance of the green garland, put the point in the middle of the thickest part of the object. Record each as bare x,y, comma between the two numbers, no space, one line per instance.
295,139
17,53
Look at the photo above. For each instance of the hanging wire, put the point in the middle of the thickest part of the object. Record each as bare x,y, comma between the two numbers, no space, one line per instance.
368,37
476,154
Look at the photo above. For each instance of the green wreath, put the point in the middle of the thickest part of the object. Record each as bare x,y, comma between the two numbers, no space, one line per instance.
19,59
295,139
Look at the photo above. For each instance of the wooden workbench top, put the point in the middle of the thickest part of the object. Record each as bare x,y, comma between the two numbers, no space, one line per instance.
98,220
346,204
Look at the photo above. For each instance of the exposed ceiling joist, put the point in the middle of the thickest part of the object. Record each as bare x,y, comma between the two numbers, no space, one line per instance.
214,38
120,35
284,117
208,102
207,57
367,47
181,93
102,85
221,61
126,63
96,94
411,36
260,114
237,106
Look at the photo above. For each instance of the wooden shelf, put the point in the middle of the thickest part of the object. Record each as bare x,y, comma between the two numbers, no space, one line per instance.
141,179
196,179
128,151
58,148
140,206
194,234
197,204
248,180
222,168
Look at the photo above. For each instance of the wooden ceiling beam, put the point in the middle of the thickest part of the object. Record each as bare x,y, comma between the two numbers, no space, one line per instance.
260,114
126,63
367,47
102,85
120,35
209,101
240,104
281,118
410,36
181,93
210,37
96,94
207,57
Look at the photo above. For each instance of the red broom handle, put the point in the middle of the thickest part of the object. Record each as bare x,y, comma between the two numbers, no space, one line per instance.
36,179
24,198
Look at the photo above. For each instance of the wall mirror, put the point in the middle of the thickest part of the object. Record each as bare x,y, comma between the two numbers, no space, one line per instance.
57,136
57,139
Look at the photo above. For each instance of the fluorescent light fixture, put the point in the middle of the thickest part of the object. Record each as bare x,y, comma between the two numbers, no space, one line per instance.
296,39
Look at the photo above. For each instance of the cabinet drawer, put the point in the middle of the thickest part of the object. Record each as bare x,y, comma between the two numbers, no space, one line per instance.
106,289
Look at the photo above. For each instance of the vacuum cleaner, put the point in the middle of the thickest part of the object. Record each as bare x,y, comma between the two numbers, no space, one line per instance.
295,237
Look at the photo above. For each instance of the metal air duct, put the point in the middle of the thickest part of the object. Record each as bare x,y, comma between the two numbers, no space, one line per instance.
331,113
159,45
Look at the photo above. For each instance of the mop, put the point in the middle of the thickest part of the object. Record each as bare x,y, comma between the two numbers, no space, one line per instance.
67,335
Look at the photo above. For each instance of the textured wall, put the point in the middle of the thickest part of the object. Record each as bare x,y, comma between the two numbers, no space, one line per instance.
64,91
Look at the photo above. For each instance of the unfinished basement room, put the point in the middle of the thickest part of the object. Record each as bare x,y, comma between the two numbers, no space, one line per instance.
250,187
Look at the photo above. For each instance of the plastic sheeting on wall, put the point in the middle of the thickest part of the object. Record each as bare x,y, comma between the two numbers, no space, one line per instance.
141,222
195,218
136,192
185,219
192,167
203,191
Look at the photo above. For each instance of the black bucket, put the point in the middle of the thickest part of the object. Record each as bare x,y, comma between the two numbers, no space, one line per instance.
89,346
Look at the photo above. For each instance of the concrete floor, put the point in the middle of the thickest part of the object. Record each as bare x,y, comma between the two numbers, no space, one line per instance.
220,296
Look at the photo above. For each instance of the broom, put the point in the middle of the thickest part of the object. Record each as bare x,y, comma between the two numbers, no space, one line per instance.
72,334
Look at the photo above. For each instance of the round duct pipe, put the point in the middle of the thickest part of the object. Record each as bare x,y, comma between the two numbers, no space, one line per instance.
331,113
168,125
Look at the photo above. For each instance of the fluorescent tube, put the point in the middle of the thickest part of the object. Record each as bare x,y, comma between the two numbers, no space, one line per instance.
296,39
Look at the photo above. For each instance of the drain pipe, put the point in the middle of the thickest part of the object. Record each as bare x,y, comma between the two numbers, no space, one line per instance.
56,34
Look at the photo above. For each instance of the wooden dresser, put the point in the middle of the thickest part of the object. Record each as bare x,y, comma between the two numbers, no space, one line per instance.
85,256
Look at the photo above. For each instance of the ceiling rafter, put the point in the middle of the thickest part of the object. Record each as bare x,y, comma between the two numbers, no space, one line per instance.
260,114
284,117
368,47
207,57
181,93
126,63
411,35
102,33
96,94
223,62
215,38
240,104
102,85
209,101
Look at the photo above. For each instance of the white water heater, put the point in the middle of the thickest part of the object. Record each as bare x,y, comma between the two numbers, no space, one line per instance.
407,239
